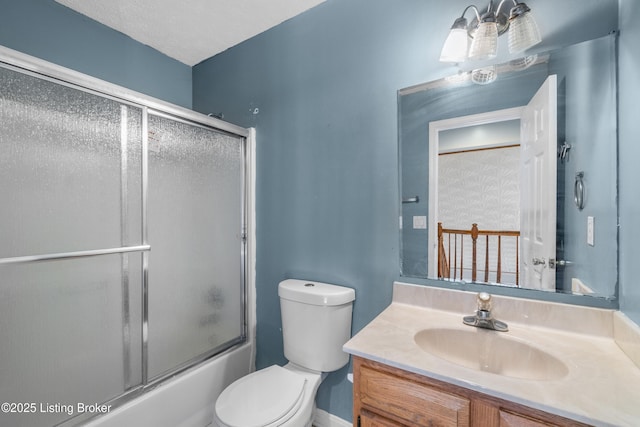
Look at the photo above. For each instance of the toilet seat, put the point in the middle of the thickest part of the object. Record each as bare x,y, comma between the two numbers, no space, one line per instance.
264,398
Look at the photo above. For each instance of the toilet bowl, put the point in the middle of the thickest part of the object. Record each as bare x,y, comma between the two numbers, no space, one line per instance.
316,322
273,396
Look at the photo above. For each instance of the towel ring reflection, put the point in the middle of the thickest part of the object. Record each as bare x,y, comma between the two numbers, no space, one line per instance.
578,191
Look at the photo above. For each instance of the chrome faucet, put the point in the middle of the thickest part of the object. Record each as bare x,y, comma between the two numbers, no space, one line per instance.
483,317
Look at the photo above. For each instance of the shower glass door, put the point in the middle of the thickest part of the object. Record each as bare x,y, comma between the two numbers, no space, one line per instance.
122,246
70,168
195,203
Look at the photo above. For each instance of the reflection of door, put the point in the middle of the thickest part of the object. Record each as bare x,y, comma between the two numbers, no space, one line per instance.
538,187
435,129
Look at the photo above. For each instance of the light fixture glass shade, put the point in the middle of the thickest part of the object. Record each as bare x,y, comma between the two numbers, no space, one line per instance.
523,33
485,42
455,46
523,63
484,76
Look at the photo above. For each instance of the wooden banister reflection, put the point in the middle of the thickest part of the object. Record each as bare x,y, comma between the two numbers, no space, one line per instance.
456,238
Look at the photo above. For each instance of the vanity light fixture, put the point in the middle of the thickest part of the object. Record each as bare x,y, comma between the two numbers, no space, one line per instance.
478,40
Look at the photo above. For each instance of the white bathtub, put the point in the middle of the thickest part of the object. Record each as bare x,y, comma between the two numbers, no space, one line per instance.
184,401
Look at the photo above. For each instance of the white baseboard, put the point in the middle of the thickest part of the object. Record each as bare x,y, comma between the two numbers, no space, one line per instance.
324,419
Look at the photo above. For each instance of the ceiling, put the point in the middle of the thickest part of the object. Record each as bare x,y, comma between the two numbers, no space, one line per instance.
190,31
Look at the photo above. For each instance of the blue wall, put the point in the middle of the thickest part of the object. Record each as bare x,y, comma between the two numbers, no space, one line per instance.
321,91
629,157
327,157
585,74
50,31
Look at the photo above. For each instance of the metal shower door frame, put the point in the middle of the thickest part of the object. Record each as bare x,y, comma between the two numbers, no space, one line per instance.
26,64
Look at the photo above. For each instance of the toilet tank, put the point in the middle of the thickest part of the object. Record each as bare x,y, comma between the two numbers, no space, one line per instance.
316,323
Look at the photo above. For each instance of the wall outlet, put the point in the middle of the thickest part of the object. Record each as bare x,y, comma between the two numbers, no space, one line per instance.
419,222
590,231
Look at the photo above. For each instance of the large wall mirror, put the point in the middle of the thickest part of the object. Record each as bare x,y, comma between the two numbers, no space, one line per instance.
509,173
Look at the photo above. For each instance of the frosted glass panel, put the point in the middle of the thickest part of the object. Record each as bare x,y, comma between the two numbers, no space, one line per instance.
61,335
61,157
195,221
71,168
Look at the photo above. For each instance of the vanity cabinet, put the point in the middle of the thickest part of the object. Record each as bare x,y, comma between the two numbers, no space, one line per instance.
389,397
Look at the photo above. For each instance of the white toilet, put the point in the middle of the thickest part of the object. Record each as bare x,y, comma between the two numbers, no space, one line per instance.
316,322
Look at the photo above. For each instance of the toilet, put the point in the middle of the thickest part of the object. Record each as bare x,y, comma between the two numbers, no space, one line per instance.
316,322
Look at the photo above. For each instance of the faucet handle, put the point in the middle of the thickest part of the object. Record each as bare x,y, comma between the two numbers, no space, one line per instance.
484,301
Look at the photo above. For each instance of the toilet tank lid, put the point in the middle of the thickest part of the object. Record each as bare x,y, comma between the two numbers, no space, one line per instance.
315,293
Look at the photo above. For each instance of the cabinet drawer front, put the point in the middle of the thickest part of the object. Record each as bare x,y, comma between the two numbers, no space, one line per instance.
411,401
508,419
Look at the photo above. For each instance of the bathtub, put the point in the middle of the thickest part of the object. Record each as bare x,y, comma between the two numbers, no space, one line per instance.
186,400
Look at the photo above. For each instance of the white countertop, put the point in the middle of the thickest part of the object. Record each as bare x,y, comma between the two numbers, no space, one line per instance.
602,386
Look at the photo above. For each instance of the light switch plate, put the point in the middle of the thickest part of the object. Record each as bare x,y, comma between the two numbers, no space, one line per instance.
420,222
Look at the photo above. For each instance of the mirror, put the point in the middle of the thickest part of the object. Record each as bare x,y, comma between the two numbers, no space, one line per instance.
468,156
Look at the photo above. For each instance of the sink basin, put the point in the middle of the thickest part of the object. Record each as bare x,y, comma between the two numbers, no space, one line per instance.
491,351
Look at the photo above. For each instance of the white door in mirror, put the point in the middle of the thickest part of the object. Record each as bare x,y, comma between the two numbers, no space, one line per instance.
538,187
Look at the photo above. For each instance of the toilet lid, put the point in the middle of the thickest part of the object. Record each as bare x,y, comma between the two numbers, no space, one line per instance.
260,398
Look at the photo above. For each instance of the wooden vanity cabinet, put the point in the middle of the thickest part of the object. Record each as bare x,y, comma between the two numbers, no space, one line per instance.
389,397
